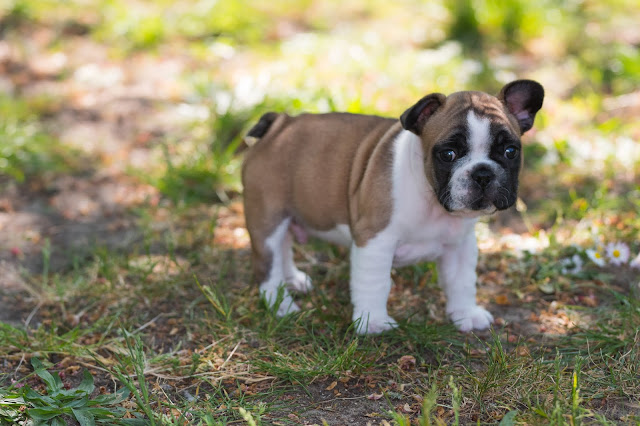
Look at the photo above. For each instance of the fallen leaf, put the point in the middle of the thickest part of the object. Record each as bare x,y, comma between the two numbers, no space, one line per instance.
331,386
502,300
374,396
407,362
407,409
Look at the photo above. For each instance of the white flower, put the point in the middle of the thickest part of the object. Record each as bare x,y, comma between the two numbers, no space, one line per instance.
635,263
571,265
618,253
597,256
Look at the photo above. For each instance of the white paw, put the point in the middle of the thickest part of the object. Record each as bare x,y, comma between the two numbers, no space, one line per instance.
299,282
287,305
368,323
474,318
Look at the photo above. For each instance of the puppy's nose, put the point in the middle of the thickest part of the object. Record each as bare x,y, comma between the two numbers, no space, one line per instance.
483,176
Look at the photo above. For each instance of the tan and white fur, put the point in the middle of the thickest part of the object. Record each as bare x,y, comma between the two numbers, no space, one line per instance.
396,192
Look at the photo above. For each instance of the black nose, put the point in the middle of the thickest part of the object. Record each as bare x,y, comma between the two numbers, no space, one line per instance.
483,176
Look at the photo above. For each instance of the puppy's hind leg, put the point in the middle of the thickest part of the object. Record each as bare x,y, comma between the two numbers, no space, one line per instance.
275,279
297,280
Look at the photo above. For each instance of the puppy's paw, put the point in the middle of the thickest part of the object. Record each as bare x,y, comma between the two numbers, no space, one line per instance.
368,323
272,296
474,318
299,281
287,307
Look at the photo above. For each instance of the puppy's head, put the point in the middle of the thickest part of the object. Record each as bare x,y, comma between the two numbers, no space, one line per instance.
471,144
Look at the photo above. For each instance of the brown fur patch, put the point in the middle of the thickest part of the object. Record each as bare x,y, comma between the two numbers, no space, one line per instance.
321,170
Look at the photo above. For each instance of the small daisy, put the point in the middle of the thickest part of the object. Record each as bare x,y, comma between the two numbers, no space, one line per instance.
597,256
635,263
618,253
571,265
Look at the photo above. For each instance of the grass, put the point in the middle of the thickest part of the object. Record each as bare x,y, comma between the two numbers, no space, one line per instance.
27,150
171,331
59,404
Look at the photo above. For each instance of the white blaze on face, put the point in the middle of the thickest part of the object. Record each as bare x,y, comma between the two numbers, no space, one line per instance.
479,145
479,137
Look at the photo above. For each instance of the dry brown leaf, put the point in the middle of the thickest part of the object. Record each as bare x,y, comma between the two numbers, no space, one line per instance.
407,362
502,300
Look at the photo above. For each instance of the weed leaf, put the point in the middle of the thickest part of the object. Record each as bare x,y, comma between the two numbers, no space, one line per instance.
509,418
34,397
84,417
112,398
54,384
45,413
86,385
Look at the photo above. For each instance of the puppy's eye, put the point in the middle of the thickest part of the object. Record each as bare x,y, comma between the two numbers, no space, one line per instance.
511,152
448,155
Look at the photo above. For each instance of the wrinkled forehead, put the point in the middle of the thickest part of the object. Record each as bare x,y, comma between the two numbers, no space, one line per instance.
452,116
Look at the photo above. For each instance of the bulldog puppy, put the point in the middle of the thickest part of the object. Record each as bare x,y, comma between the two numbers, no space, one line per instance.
395,191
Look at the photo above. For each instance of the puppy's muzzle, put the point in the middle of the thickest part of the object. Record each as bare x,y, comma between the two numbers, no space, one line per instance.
483,176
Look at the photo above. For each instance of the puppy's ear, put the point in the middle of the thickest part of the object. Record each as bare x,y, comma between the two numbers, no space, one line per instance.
523,99
415,117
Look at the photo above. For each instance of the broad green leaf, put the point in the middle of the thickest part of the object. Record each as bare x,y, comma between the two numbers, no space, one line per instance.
107,412
84,417
134,422
44,413
112,398
34,397
77,403
58,422
66,394
509,418
54,384
87,382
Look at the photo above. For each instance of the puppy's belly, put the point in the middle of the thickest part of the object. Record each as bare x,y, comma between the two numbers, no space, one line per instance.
408,254
340,235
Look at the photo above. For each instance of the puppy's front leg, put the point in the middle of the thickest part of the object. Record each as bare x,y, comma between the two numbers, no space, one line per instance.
370,285
457,277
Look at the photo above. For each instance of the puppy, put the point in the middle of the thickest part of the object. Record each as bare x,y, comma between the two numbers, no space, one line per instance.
396,192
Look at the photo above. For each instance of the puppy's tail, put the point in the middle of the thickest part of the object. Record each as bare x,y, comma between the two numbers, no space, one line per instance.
261,128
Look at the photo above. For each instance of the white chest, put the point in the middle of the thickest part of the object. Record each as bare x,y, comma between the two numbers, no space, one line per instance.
422,228
429,243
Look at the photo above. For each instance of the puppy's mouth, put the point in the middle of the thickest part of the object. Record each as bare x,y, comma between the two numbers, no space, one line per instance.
483,203
496,203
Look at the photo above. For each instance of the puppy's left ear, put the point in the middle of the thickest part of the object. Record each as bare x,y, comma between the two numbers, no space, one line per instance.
415,117
523,99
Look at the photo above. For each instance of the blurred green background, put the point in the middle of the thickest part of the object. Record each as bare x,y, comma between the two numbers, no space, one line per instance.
237,59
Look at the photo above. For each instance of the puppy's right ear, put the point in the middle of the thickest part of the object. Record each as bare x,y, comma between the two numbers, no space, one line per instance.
415,117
